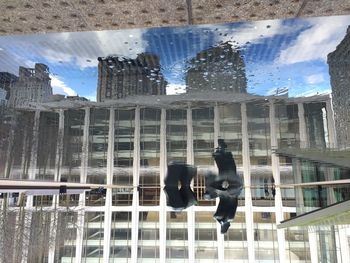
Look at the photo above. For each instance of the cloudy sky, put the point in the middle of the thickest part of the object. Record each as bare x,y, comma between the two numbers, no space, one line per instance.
278,54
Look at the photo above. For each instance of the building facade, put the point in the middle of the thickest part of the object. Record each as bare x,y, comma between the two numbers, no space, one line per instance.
339,70
33,86
121,77
129,147
219,68
7,81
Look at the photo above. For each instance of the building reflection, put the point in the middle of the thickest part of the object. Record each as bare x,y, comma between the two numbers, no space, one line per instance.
129,143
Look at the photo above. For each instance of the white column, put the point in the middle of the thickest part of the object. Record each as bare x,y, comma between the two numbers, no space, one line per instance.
276,175
59,149
247,184
344,243
31,176
248,195
108,204
220,237
55,200
190,210
331,123
34,149
83,174
163,168
135,198
304,143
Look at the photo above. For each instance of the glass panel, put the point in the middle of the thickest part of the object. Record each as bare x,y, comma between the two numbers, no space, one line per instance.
148,236
205,237
150,146
47,144
98,144
120,250
72,144
176,236
176,135
123,156
18,158
235,240
265,237
203,147
93,237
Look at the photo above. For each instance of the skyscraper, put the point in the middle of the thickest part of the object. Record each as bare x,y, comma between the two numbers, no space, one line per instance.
120,77
339,70
7,81
219,68
33,85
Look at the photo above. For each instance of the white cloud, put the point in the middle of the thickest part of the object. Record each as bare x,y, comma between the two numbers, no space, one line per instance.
252,32
316,42
59,87
83,48
315,79
78,48
173,89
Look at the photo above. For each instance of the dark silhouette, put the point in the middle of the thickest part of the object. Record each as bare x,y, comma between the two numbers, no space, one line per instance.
183,197
227,186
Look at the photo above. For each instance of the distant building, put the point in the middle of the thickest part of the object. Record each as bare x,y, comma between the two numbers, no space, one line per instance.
218,68
33,85
7,81
76,98
339,70
120,77
2,97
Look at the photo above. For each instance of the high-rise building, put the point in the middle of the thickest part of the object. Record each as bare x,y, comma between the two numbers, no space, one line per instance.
129,147
339,70
219,68
121,77
33,85
7,81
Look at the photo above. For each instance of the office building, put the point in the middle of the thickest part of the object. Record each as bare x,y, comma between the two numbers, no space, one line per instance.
7,81
33,86
120,77
339,71
129,147
219,68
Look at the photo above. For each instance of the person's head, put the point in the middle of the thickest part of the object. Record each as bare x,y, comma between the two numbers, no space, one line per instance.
225,184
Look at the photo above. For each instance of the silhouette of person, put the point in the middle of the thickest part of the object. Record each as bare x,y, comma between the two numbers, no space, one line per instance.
183,197
227,186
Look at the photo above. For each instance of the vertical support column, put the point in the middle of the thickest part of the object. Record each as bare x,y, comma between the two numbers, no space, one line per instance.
277,177
83,175
55,200
220,237
248,195
135,196
59,149
343,243
331,123
190,210
304,143
163,167
108,203
34,147
31,176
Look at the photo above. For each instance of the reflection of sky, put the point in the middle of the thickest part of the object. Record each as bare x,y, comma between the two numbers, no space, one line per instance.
279,54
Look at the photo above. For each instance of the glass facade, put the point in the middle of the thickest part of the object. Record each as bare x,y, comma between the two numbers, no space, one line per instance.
123,145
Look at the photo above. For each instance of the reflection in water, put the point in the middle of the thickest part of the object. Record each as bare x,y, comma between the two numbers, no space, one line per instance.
235,82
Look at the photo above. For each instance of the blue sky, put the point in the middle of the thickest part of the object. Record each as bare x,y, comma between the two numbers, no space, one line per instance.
278,54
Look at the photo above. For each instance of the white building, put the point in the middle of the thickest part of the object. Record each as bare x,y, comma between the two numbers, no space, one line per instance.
128,145
33,85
